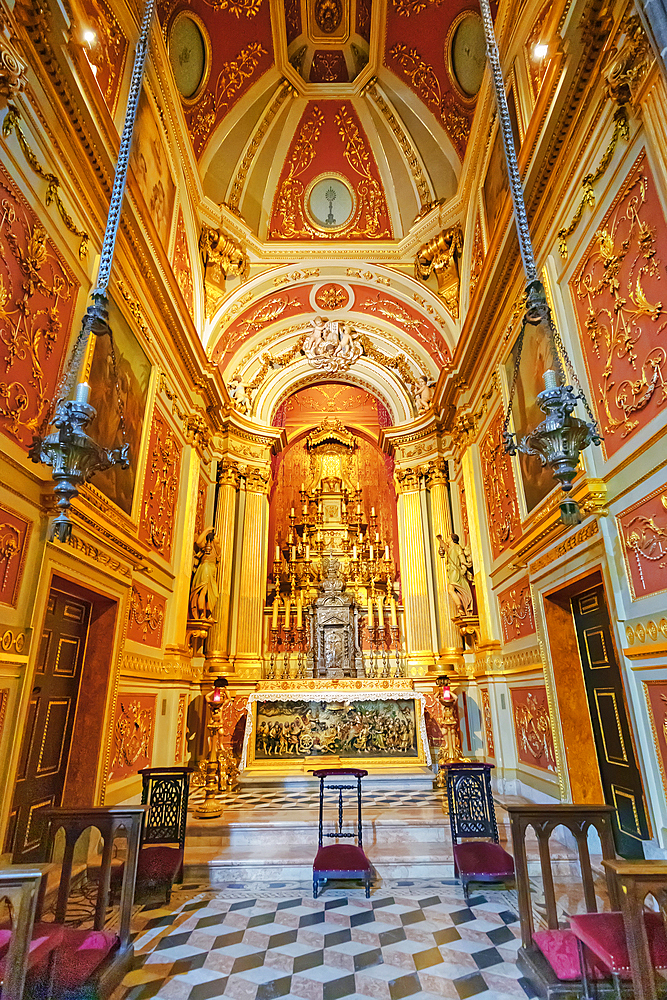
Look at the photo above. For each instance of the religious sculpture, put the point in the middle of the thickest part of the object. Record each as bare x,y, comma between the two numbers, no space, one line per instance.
424,393
451,749
332,345
240,396
440,256
204,585
459,573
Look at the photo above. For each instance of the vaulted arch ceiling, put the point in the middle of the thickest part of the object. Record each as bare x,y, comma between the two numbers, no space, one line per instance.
293,91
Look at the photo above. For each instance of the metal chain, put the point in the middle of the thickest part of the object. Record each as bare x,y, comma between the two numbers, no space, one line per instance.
516,188
116,202
515,375
573,378
114,368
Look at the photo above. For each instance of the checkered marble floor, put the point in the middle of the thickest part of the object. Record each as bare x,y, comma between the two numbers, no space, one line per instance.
262,941
306,798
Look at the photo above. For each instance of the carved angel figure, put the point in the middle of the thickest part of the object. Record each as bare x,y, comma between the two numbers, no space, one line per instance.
204,586
424,393
459,573
240,396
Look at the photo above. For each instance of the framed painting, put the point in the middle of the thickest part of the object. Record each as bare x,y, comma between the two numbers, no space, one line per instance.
150,165
134,373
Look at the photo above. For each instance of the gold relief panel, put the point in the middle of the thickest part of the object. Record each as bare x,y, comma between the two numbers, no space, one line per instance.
656,699
132,740
158,505
15,533
532,728
488,722
516,611
499,489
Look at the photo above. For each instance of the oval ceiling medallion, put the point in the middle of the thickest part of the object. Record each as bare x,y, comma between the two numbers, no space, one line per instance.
328,15
465,50
189,55
330,202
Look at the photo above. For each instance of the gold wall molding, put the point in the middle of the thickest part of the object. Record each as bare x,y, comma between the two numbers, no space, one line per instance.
136,665
90,551
440,256
639,632
135,310
285,90
12,74
15,640
195,424
409,152
52,196
578,538
467,421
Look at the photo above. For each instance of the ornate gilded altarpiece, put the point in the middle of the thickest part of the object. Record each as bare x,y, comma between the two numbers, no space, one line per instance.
619,296
335,721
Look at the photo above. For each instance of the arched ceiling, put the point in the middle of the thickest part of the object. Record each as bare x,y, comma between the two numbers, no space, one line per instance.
294,90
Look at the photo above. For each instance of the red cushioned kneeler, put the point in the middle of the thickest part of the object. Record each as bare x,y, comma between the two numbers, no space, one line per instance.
341,861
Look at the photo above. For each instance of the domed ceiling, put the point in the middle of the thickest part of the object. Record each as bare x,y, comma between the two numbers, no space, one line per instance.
326,120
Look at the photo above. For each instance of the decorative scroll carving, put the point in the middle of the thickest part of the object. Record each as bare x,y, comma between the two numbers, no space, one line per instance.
332,346
332,297
11,124
289,201
440,256
643,528
160,487
620,308
516,611
477,256
499,489
179,749
147,610
407,7
328,15
426,83
532,728
328,67
12,74
488,722
220,256
182,264
106,52
37,293
466,423
14,537
231,80
580,536
239,8
132,735
195,425
408,150
372,205
392,310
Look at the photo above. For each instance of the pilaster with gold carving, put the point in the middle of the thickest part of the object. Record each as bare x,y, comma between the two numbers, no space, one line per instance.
251,584
421,634
441,524
489,626
182,554
217,646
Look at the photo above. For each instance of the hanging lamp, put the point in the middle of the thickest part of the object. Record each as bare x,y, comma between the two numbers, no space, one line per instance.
561,437
74,455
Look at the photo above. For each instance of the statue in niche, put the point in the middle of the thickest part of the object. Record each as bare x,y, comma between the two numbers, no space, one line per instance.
204,586
332,345
459,573
424,393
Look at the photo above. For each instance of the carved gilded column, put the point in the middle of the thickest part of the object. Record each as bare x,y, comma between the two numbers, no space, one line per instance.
217,645
449,637
421,635
252,575
488,622
175,626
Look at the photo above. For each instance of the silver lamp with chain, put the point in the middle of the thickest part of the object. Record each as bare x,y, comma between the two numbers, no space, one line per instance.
561,437
74,455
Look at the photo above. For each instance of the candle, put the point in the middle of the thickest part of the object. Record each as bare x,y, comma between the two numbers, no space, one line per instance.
377,537
288,605
294,553
292,512
358,486
277,553
319,535
303,487
299,612
358,508
354,551
370,611
274,616
82,392
291,537
370,553
386,552
392,612
308,553
380,611
320,507
372,511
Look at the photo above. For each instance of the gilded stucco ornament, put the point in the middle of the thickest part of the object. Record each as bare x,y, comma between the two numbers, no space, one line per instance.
12,74
332,345
240,396
440,256
424,393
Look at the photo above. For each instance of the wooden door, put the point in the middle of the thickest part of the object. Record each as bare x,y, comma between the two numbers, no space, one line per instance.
48,732
619,773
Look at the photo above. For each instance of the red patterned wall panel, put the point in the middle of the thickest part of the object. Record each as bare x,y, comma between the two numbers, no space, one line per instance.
487,720
619,296
364,9
328,67
499,489
14,536
133,730
37,299
516,611
330,140
643,529
158,505
656,696
146,616
532,728
105,48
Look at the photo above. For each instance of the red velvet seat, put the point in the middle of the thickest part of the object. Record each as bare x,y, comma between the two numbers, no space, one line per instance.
341,860
157,868
483,861
604,935
561,951
77,958
45,938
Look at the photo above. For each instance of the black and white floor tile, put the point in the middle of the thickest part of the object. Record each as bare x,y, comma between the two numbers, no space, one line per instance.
260,941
